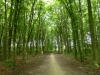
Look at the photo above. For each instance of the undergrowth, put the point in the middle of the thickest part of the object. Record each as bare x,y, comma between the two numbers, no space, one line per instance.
9,63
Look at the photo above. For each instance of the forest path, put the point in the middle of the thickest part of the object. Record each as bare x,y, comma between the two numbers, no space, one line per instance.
50,64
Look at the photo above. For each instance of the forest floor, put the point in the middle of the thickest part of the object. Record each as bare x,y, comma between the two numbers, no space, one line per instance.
51,64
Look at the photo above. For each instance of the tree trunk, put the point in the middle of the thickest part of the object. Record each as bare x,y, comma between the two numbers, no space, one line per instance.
93,41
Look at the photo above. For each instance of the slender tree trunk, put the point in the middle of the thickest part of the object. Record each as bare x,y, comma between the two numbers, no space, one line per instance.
5,33
74,37
1,40
81,28
10,30
93,41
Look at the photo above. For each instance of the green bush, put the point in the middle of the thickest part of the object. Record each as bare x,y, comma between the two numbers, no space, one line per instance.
10,63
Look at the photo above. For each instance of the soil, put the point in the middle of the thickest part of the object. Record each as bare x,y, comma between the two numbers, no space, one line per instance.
51,64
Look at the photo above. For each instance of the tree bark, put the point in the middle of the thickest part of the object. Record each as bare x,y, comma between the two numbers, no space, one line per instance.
91,25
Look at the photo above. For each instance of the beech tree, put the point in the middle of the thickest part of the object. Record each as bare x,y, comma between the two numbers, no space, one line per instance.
31,27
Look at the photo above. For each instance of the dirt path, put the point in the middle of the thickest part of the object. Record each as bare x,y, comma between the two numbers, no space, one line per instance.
55,67
49,64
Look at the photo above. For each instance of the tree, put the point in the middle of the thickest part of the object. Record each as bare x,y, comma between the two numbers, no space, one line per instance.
93,41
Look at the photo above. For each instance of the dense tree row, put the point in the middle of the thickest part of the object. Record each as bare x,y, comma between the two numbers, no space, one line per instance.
79,28
30,27
22,28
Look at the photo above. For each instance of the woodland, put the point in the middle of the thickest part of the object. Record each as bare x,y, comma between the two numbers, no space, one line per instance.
34,27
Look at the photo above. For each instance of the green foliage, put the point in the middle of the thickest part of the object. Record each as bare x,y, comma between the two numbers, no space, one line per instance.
93,64
9,63
60,23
